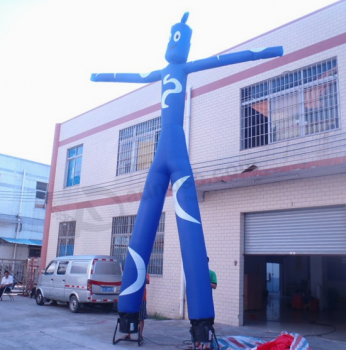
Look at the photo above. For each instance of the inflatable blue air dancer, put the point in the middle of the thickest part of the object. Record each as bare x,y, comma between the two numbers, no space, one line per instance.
171,163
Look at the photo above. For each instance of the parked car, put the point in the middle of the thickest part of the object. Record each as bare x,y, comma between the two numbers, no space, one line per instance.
79,280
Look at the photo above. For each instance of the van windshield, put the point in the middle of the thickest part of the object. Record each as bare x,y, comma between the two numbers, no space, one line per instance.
107,268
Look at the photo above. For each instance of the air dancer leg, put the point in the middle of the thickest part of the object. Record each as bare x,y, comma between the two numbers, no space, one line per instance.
142,242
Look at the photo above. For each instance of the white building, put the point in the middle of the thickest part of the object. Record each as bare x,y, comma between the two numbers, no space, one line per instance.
23,189
267,146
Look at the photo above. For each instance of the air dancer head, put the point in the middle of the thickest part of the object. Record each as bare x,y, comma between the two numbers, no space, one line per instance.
178,47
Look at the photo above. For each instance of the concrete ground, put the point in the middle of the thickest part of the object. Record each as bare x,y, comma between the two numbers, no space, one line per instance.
25,325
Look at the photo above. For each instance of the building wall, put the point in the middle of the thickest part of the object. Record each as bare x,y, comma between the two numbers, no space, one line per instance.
6,251
222,213
18,179
215,135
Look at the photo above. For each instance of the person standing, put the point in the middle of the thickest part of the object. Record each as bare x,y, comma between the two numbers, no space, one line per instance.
6,283
213,284
213,278
142,312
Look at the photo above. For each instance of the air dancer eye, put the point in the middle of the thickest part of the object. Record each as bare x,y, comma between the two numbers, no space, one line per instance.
177,36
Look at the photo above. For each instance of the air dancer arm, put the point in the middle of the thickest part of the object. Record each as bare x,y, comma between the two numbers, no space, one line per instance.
126,77
232,58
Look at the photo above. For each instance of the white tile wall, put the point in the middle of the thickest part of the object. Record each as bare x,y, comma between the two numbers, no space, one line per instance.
215,125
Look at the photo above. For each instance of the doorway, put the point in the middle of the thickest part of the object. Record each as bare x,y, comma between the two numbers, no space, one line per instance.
273,277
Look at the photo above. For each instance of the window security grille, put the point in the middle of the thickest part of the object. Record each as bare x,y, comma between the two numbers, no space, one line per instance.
66,236
137,146
122,228
295,104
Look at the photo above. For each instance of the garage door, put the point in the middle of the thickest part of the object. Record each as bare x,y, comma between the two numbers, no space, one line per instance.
300,231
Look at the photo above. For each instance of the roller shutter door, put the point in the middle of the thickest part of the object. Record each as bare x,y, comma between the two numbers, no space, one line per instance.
300,231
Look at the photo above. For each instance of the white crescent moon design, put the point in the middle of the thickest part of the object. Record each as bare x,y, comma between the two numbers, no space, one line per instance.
177,89
178,209
138,284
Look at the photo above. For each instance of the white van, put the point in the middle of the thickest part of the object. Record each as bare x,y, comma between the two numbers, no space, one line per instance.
80,279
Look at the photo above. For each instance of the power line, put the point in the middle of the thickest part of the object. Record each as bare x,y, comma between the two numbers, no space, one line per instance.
306,156
99,188
257,157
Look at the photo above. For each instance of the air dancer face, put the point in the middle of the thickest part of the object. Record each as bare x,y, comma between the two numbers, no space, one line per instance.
178,47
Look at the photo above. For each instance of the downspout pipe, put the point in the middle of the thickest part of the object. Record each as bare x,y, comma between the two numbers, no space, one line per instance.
19,215
188,117
187,137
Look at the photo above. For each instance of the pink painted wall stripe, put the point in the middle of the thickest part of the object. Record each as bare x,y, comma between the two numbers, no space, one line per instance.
258,173
113,123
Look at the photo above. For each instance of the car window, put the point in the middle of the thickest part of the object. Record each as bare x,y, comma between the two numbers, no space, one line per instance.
79,267
50,268
107,268
62,268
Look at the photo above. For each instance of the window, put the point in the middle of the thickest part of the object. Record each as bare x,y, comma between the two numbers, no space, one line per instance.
66,238
137,146
107,268
62,268
295,104
41,194
50,268
122,228
79,268
34,252
74,165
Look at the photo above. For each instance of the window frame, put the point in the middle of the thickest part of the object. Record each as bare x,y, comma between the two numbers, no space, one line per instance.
67,235
73,159
132,156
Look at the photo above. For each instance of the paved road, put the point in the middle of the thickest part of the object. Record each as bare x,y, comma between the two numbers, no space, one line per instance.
25,325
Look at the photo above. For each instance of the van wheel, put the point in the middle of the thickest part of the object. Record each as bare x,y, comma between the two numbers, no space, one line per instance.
39,298
74,304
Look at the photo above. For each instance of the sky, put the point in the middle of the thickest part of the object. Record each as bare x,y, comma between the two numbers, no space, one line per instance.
49,48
